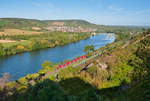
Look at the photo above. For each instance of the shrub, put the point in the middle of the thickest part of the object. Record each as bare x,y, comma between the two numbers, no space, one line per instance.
20,47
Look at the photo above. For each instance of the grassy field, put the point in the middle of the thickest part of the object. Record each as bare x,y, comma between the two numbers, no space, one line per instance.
13,41
10,44
18,32
7,41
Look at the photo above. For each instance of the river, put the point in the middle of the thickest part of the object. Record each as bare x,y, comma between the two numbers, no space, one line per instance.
30,62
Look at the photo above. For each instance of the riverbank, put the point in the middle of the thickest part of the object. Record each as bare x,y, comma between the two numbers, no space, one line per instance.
30,62
101,75
37,42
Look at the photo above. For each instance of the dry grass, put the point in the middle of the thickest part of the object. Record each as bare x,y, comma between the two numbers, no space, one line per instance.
18,32
6,41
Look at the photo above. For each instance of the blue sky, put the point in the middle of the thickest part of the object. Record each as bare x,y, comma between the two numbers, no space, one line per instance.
106,12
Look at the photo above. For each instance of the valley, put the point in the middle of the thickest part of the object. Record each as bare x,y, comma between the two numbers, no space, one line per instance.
116,67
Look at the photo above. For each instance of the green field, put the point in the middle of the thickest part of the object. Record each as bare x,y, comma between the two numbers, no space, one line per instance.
117,72
32,42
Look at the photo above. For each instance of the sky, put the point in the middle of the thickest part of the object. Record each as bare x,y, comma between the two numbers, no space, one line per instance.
103,12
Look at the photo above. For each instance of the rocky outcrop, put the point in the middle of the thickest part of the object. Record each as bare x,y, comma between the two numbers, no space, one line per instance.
102,64
4,80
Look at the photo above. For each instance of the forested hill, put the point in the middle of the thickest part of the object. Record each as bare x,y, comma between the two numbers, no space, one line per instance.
21,23
33,24
120,73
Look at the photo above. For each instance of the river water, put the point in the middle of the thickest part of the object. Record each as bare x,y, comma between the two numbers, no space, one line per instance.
30,62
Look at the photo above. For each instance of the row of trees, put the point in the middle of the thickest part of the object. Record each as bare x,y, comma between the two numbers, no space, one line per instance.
35,42
78,84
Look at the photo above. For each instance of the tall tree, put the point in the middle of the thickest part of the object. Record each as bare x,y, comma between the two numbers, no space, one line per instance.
89,48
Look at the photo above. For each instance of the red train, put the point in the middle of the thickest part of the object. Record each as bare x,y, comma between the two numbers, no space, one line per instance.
69,63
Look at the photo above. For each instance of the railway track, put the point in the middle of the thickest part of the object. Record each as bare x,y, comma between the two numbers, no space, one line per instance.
76,64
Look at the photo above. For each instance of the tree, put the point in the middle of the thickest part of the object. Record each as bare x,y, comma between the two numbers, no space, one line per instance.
89,48
148,31
46,64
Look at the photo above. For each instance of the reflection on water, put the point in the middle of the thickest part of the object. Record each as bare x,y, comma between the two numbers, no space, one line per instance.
30,62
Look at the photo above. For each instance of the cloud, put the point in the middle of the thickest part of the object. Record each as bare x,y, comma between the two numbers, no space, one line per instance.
145,11
115,8
137,13
39,4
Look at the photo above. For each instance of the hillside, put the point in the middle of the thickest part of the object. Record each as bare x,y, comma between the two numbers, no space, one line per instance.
40,25
120,73
22,23
19,35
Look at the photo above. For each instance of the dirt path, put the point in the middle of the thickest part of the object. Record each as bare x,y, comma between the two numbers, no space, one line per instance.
141,39
7,41
127,43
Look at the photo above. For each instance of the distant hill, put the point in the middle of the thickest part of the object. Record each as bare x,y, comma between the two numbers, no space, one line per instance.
70,22
21,23
33,24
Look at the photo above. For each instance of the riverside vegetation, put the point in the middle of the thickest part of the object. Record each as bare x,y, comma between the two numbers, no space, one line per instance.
31,42
120,74
19,35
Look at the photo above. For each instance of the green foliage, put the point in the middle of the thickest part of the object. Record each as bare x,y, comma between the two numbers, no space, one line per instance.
92,70
46,64
46,90
140,90
122,36
126,77
80,90
38,41
28,23
32,76
123,73
68,72
89,48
